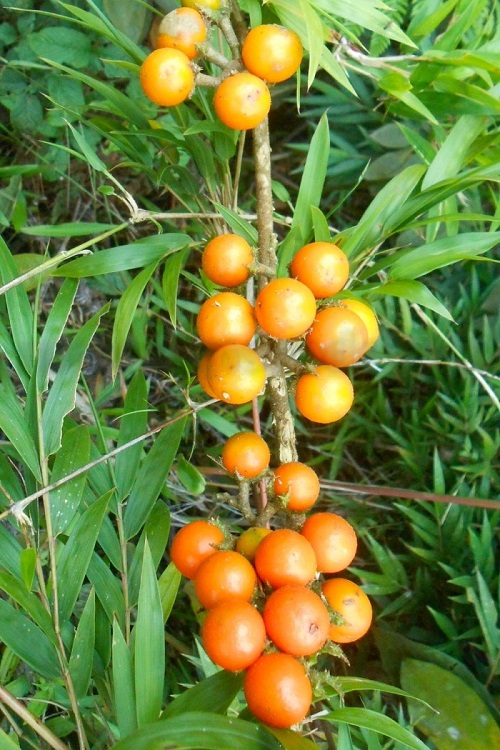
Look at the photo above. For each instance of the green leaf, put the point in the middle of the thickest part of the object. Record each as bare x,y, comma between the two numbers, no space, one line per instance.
124,257
28,559
410,264
413,291
170,282
123,684
149,646
290,740
13,424
133,423
132,19
376,722
75,556
151,477
460,718
451,156
200,731
189,476
237,224
214,694
168,585
28,642
156,531
19,309
71,229
28,602
125,313
61,398
63,44
82,651
53,330
310,192
6,742
73,454
107,588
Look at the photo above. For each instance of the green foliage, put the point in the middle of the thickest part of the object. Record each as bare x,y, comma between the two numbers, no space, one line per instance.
396,159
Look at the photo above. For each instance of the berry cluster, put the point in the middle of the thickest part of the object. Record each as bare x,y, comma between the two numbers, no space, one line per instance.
269,54
269,607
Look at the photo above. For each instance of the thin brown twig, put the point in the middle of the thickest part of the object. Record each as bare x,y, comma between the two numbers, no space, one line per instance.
30,719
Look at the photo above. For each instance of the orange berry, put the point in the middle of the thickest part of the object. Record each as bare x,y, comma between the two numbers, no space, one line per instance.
226,259
285,308
337,337
223,576
167,77
324,396
182,29
233,634
246,454
193,544
298,483
296,620
321,266
236,374
277,690
225,318
242,101
282,558
352,604
272,52
333,539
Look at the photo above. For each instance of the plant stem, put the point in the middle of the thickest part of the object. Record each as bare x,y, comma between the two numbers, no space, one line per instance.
40,729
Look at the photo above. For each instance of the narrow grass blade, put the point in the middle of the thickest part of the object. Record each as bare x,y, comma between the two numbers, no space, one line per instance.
19,309
73,454
108,589
156,531
13,424
82,651
52,331
27,641
215,694
28,602
168,584
376,722
133,423
123,684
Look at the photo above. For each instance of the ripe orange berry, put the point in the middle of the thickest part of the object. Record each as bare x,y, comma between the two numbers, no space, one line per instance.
242,101
249,540
166,77
337,337
282,558
182,29
223,576
352,604
277,690
296,620
333,539
226,259
367,316
325,395
225,318
246,454
193,544
285,308
298,483
236,374
203,376
272,52
321,266
233,634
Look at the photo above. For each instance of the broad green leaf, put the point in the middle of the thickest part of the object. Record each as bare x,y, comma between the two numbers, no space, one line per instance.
214,693
28,560
28,642
53,330
168,584
200,731
156,531
170,282
151,477
124,257
75,556
29,603
290,740
123,684
6,742
310,191
125,313
149,646
19,309
460,718
10,553
132,19
238,225
133,422
61,398
414,291
13,425
71,229
107,588
82,650
64,45
191,479
73,454
451,155
376,722
410,264
8,349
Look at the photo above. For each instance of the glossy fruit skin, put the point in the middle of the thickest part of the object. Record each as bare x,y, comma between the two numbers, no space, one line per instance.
321,266
282,558
192,545
246,454
202,376
296,620
350,601
249,540
233,635
277,690
285,308
333,539
224,576
337,337
367,316
182,29
226,259
166,77
324,396
272,52
298,483
242,101
236,374
225,318
211,4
